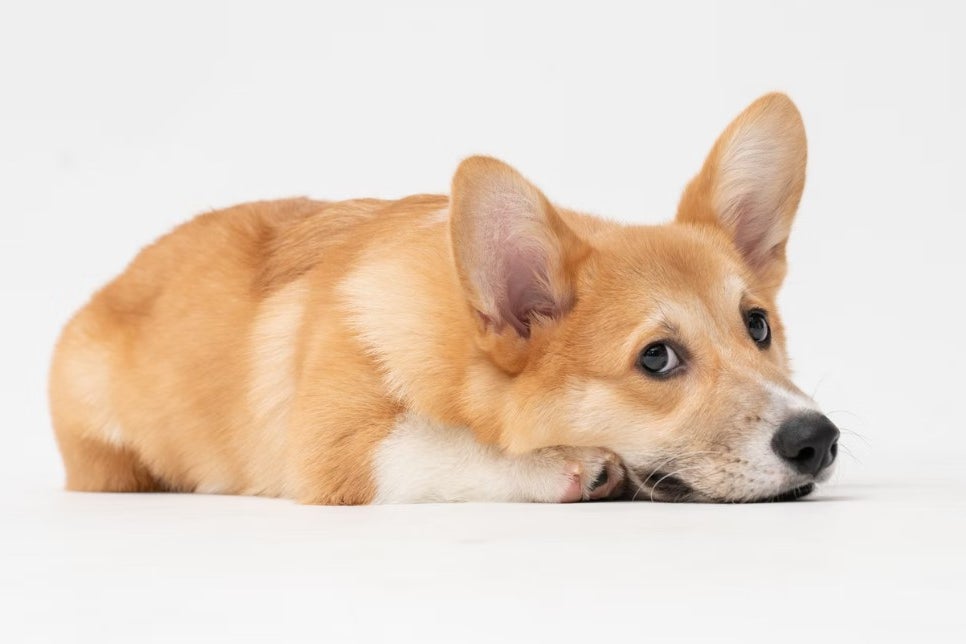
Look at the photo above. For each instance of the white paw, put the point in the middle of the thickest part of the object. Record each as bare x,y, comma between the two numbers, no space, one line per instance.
576,474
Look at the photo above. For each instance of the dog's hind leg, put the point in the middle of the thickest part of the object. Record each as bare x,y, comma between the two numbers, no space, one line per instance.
96,456
95,466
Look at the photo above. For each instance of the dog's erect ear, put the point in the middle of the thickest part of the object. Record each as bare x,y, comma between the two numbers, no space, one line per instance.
751,184
513,252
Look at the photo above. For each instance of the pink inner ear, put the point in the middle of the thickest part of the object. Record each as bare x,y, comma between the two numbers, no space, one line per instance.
527,293
510,250
753,229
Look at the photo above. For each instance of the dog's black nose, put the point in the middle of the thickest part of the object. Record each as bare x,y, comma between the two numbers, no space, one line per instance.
807,441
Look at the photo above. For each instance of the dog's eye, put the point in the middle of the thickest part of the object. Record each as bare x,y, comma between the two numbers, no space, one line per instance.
758,327
658,358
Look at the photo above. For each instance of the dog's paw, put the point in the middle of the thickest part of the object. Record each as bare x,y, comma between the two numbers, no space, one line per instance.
580,474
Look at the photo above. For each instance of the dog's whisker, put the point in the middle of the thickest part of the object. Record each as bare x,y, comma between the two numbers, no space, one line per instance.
674,457
845,449
852,432
835,412
818,385
670,474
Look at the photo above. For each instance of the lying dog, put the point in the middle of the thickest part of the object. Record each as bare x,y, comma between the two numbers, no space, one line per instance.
486,346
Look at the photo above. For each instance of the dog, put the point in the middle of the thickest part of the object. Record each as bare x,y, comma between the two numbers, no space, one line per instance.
485,346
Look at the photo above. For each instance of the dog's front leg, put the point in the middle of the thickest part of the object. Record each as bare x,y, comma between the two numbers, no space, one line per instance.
421,462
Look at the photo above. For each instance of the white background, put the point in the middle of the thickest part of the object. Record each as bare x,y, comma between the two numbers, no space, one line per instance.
118,121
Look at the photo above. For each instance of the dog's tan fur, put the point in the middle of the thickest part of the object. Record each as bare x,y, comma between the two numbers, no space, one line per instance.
270,348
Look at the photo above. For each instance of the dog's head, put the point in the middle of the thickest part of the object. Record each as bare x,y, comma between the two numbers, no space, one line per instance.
663,343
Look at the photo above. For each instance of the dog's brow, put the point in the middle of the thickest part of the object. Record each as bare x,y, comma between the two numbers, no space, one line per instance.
662,320
736,285
669,327
750,299
658,322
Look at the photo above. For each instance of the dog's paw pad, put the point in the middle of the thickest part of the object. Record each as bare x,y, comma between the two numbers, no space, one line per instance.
590,473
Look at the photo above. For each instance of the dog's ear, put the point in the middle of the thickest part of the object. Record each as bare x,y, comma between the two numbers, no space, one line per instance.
751,184
513,252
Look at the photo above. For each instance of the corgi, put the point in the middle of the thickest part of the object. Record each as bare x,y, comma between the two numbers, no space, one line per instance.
485,346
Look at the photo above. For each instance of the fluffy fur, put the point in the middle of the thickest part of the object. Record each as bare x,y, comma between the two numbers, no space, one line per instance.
481,346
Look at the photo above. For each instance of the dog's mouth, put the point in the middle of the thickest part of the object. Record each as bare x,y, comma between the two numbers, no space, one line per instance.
668,488
660,486
790,495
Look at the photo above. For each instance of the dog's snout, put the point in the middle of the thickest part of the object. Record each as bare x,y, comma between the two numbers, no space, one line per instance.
808,442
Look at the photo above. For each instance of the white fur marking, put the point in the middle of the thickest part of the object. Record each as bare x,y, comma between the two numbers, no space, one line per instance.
88,370
438,217
389,309
273,343
790,399
209,487
424,462
113,436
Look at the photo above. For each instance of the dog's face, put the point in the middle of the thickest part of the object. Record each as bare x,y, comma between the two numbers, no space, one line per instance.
674,356
662,343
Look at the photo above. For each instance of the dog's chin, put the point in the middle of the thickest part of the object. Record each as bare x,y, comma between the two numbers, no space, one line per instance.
791,494
788,495
671,489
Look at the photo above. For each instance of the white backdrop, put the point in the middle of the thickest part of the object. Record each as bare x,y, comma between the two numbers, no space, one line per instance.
119,120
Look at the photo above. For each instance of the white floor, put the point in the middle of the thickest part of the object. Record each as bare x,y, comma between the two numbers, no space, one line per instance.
857,562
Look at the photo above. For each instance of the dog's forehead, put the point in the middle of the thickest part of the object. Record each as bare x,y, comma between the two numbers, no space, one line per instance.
656,281
648,265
